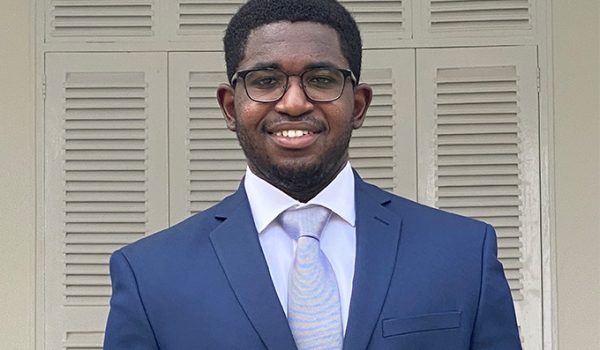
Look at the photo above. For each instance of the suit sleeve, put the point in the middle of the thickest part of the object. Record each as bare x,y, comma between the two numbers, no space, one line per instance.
127,326
495,323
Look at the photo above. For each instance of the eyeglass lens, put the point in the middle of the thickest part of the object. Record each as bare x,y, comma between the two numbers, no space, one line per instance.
319,84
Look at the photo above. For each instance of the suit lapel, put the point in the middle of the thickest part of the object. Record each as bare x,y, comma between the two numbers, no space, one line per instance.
238,249
377,238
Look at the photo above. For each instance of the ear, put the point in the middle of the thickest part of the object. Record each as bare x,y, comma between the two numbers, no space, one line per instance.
363,94
226,99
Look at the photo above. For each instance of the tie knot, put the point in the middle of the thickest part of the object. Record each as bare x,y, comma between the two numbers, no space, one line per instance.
307,221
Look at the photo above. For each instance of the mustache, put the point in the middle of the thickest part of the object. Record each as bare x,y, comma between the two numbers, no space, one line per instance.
306,121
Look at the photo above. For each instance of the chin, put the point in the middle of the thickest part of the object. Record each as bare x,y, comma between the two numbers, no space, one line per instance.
300,176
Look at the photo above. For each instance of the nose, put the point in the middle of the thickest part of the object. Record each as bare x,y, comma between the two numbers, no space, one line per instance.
294,101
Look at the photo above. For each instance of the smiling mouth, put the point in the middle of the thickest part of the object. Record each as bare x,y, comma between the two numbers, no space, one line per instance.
294,139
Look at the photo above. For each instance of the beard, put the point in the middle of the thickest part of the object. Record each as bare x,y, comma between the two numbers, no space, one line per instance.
297,178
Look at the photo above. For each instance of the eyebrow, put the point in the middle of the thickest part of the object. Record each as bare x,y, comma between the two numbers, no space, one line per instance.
322,64
271,65
265,65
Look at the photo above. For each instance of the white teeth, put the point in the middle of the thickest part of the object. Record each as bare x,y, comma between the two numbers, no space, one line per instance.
292,133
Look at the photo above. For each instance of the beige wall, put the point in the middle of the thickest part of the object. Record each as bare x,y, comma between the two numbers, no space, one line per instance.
577,169
577,154
17,181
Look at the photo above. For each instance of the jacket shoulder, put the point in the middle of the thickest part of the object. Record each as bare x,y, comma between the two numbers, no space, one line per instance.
423,216
192,231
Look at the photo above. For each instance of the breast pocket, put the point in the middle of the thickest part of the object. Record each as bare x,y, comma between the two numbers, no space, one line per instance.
421,323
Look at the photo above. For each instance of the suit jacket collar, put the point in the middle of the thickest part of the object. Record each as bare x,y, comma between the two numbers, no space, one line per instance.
238,249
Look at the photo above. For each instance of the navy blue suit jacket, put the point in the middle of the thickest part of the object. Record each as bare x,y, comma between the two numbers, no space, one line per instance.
424,279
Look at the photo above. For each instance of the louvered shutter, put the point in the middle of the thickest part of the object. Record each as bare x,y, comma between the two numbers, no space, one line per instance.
383,151
478,156
201,21
100,20
206,161
469,18
106,181
383,23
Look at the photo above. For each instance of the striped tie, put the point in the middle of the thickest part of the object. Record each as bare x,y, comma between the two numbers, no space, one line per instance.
313,299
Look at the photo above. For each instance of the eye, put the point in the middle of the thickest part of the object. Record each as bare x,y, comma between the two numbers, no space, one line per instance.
322,79
264,80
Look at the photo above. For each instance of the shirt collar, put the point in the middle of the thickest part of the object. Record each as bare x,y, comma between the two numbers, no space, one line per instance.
267,201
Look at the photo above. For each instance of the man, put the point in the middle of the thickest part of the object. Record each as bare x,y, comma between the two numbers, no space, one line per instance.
305,254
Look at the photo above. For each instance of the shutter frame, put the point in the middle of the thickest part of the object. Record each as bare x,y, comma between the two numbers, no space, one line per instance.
106,180
512,176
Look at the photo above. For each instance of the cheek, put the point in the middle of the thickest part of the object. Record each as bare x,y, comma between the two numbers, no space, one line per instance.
248,114
340,117
250,118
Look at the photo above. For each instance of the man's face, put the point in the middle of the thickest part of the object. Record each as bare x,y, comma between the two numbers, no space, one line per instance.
299,165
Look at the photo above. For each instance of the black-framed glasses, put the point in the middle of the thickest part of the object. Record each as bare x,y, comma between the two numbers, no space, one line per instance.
270,84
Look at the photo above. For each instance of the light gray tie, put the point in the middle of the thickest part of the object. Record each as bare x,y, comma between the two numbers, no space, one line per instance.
314,312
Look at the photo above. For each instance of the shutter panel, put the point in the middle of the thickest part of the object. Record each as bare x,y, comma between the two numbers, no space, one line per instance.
105,181
383,23
206,161
451,18
478,146
202,21
99,20
383,151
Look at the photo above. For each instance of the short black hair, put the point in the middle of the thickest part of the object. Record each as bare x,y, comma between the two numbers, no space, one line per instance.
256,13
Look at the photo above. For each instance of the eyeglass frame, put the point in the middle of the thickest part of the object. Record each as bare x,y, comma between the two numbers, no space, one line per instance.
242,74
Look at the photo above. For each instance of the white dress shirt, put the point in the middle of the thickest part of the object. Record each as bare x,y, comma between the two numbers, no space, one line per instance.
338,239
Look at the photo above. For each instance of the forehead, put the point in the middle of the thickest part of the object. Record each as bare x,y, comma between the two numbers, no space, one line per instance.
293,46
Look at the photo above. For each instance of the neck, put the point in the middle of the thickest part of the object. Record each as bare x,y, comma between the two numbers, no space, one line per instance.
302,186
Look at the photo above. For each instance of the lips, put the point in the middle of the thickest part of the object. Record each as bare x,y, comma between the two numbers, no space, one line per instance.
294,137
